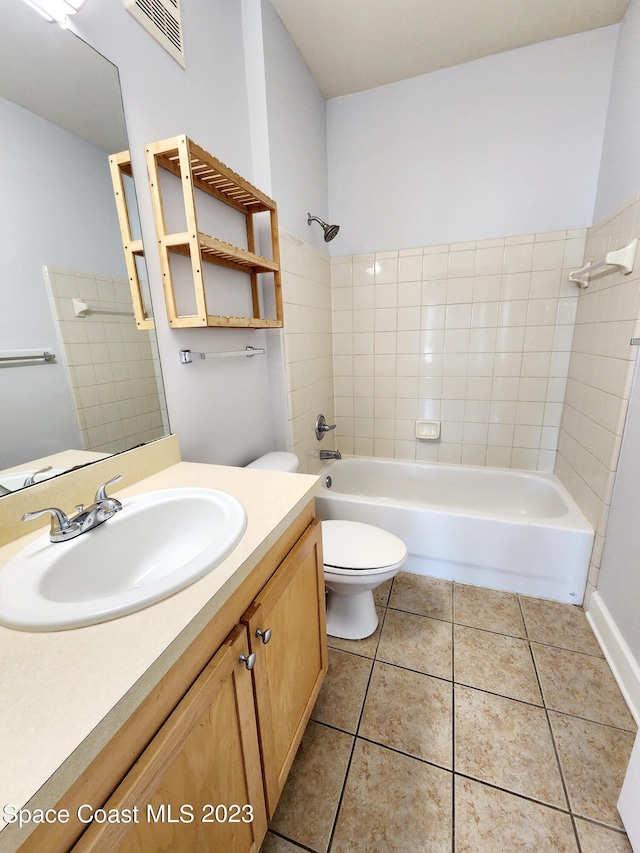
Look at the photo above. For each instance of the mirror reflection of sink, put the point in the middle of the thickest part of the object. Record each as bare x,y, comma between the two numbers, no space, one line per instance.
15,479
159,543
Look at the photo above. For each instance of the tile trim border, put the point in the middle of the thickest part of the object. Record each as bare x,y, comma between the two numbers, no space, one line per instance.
624,666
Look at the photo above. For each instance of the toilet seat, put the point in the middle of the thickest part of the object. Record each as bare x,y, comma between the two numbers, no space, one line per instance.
351,546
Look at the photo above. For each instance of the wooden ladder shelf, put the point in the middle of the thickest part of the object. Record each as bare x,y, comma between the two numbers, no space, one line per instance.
120,165
199,170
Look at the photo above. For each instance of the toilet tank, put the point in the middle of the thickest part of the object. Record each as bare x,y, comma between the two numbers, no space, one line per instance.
277,460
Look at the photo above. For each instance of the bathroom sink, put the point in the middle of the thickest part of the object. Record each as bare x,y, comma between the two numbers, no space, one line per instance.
15,479
156,545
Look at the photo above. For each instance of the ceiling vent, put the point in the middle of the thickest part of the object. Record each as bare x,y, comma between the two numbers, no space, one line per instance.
162,19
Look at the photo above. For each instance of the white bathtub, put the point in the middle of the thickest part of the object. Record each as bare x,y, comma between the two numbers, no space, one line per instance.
509,530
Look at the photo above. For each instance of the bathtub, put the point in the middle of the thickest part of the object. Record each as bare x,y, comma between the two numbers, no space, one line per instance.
509,530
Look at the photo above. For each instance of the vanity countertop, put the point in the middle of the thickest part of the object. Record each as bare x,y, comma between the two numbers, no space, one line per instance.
65,693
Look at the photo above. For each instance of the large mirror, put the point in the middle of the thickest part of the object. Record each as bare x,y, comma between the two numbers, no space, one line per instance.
61,117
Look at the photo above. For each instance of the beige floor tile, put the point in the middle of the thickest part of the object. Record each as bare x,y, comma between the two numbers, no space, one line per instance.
489,609
393,804
556,624
492,821
274,844
342,695
381,593
366,647
423,595
507,744
416,642
581,685
496,663
309,802
598,839
410,712
594,759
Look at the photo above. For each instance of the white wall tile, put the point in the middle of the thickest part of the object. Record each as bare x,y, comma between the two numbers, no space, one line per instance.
475,334
599,373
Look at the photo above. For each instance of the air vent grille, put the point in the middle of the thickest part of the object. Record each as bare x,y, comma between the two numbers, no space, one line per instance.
161,18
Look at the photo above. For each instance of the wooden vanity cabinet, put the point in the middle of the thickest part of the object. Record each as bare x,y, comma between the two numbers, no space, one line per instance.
204,762
232,739
291,665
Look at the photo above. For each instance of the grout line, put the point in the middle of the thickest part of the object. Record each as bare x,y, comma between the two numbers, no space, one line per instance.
603,825
291,841
553,740
575,831
520,796
405,754
565,649
355,736
453,735
588,720
348,652
410,669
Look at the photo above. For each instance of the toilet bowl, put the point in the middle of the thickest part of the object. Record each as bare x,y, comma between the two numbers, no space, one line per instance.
357,559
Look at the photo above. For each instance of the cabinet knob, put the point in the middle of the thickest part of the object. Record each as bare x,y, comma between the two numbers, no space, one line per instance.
265,635
249,661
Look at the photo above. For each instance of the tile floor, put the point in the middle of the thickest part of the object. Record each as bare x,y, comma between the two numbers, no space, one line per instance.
472,721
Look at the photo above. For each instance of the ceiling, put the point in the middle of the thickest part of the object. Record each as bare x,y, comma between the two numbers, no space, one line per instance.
353,45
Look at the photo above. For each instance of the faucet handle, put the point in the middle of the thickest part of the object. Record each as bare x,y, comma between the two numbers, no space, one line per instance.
30,481
322,426
59,521
101,494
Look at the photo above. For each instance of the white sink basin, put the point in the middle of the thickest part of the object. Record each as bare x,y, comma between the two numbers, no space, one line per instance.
15,479
156,545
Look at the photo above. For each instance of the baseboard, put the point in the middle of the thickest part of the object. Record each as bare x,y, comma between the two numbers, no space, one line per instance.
624,666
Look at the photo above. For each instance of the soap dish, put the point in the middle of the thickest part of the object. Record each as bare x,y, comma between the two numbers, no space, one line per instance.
427,430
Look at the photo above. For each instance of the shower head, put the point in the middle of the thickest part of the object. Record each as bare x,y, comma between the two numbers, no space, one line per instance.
330,231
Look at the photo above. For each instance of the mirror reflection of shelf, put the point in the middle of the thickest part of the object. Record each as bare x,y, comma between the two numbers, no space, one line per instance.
197,170
120,165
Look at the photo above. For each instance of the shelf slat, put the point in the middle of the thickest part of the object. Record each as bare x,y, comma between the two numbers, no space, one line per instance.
219,252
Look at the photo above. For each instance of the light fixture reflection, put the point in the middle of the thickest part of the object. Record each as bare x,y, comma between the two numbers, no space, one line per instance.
56,10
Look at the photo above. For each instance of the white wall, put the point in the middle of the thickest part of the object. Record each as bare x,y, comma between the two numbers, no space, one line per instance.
57,208
620,168
297,133
505,145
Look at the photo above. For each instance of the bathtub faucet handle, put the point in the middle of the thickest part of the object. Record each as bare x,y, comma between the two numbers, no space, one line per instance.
322,426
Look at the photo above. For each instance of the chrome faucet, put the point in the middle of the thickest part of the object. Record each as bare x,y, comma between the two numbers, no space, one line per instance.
30,481
64,528
330,454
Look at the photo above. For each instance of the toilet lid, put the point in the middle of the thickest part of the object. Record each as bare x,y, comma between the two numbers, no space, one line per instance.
353,545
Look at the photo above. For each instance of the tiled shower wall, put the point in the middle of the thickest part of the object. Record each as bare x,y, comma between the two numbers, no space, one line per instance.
306,292
112,366
475,335
600,375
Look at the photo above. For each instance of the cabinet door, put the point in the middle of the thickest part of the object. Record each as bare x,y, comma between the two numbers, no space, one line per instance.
204,761
290,667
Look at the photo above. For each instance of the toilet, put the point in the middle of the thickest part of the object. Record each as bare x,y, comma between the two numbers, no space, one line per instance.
357,559
277,460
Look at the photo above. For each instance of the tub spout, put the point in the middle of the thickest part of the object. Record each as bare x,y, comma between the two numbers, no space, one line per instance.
330,454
